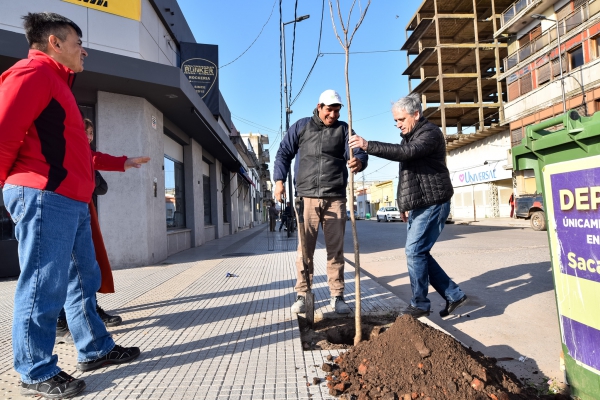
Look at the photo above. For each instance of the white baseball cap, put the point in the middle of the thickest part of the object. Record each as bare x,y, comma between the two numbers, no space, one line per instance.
330,97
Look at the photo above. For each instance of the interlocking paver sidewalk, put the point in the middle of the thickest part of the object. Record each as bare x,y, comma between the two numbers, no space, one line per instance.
204,335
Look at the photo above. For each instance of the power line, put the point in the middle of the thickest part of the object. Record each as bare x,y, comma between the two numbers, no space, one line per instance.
293,47
363,52
280,68
379,169
376,115
316,58
254,123
251,44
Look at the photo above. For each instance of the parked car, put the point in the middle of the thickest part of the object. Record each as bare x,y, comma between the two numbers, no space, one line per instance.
388,214
348,215
531,207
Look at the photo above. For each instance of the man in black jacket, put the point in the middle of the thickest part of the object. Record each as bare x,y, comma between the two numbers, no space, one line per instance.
320,146
424,193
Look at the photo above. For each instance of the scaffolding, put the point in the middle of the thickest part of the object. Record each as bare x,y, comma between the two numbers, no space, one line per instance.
452,50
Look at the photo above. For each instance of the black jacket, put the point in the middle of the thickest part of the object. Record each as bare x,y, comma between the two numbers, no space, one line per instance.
321,153
424,179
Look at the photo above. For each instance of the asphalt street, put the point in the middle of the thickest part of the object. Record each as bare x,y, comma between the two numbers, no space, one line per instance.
507,275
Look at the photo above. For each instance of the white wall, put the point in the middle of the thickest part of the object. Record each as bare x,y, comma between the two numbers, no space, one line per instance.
476,153
132,218
143,39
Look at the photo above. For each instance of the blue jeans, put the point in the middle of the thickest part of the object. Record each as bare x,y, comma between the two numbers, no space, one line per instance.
58,267
424,227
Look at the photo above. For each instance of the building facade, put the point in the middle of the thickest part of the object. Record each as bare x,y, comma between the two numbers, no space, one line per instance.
543,79
141,103
454,54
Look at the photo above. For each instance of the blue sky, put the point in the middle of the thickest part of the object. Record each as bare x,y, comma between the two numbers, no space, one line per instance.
251,85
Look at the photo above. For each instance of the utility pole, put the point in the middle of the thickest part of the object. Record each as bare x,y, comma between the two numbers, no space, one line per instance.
288,111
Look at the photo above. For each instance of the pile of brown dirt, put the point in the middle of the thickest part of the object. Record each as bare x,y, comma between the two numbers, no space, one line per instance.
411,360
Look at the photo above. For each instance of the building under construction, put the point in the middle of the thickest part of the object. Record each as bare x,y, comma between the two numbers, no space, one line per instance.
454,61
452,52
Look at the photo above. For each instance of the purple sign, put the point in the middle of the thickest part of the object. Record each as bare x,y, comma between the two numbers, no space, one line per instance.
582,341
576,199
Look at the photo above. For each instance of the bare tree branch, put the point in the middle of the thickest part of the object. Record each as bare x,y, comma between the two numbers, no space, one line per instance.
333,23
346,46
349,13
362,17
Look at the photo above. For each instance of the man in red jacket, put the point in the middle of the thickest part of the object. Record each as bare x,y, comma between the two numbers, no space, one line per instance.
47,174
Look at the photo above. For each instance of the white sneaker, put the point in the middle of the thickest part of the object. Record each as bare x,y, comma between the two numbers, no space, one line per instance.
339,305
300,305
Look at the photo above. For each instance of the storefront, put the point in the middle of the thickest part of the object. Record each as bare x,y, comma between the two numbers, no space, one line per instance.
482,191
141,102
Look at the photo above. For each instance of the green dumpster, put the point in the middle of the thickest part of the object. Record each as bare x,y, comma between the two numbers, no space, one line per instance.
567,171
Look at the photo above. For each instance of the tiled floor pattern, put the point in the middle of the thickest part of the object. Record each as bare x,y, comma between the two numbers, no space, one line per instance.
207,336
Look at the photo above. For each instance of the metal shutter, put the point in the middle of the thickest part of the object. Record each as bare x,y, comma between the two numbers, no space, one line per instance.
564,11
544,73
513,90
526,83
516,135
556,66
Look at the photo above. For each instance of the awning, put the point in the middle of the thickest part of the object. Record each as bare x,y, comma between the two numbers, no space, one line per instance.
245,175
164,86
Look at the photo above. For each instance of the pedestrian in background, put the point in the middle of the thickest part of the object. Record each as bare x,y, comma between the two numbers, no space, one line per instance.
273,213
511,203
47,174
424,193
285,214
105,162
319,144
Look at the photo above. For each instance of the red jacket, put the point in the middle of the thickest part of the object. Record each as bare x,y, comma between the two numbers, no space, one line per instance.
42,137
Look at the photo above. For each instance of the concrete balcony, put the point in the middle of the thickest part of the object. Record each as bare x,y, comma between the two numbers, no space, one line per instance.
550,94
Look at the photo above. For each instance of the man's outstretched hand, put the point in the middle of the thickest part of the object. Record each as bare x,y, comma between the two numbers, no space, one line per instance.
136,162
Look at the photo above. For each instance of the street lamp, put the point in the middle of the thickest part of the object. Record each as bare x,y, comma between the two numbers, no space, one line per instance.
287,106
562,82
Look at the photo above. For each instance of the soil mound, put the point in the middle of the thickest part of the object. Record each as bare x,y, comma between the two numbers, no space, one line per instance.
411,360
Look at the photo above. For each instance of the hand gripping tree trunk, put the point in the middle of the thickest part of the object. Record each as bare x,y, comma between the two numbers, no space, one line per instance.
345,43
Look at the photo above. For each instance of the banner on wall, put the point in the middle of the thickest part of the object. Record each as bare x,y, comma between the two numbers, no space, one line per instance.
572,201
131,9
486,173
200,64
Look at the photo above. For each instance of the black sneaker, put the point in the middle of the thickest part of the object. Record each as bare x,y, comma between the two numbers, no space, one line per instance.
60,386
63,335
453,305
414,312
118,355
109,320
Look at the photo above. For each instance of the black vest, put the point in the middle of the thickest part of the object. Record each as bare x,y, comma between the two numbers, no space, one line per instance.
322,170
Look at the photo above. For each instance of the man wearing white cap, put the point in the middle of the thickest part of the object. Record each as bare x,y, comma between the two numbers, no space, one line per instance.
320,146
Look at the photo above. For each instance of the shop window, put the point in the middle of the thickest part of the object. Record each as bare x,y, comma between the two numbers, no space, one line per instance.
174,194
207,200
576,58
226,197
